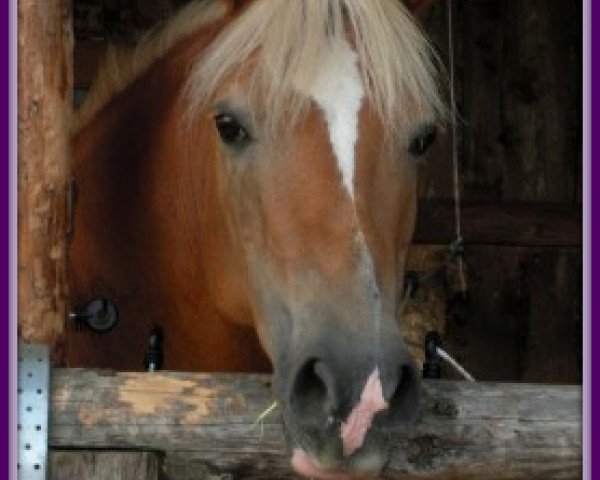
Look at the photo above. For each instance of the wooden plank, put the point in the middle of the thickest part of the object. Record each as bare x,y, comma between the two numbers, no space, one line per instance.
523,321
536,224
471,431
518,91
45,45
104,465
519,64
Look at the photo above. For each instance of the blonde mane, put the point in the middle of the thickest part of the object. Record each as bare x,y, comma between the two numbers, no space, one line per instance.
400,68
121,65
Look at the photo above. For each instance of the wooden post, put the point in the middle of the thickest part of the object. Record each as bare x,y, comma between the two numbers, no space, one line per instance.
207,427
45,77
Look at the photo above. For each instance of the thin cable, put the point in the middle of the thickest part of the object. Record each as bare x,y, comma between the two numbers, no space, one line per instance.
444,356
455,167
457,210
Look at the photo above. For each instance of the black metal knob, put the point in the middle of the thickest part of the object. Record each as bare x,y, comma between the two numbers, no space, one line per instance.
100,315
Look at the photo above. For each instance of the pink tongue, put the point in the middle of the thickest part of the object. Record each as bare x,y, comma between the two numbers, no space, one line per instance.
359,421
353,432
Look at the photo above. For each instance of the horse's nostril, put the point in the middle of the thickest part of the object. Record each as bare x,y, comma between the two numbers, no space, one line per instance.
404,403
309,395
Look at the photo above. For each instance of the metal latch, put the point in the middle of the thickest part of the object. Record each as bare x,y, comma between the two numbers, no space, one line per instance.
33,392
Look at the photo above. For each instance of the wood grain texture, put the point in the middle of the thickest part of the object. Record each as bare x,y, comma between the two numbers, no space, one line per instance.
206,426
45,86
523,321
104,465
519,63
525,224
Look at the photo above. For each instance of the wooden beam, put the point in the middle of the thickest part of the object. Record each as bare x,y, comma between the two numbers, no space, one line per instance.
104,465
45,43
207,423
534,224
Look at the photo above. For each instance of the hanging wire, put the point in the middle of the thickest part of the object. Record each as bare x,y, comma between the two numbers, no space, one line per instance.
457,243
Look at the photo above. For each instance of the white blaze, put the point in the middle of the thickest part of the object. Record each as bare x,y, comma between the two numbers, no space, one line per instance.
338,91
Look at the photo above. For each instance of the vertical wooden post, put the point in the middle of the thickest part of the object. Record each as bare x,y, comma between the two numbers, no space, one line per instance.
45,77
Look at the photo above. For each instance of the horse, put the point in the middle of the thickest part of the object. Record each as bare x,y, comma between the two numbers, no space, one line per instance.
246,179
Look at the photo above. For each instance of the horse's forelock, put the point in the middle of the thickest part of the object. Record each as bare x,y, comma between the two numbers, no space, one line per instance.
397,63
399,67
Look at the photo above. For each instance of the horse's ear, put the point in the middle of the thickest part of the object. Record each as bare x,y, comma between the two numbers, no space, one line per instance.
419,8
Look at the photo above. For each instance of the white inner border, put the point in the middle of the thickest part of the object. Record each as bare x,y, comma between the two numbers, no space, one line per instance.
586,238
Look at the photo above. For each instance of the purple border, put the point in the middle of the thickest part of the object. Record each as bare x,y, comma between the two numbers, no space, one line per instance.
591,107
11,463
5,331
9,26
591,141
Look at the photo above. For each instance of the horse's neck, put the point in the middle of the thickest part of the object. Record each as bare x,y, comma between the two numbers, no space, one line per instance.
136,236
117,158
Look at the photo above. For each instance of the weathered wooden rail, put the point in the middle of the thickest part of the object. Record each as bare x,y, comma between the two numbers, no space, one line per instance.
205,426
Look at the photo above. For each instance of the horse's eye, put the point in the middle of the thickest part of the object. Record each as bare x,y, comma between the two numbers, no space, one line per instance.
231,131
422,141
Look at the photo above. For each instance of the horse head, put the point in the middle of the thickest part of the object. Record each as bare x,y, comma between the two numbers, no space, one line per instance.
318,114
258,167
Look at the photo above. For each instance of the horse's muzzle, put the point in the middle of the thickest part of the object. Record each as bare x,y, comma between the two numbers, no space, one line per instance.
339,400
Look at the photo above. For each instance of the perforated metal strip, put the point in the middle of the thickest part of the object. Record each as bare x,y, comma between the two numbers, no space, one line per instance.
33,406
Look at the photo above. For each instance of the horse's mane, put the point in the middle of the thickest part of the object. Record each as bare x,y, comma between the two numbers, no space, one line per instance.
121,65
399,67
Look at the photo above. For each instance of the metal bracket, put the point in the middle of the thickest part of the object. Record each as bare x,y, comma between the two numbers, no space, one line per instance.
33,410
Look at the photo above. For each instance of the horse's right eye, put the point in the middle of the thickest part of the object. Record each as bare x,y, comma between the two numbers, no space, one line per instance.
423,140
231,131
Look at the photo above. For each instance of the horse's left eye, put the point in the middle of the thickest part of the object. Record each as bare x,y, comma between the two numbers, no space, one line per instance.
231,131
421,142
